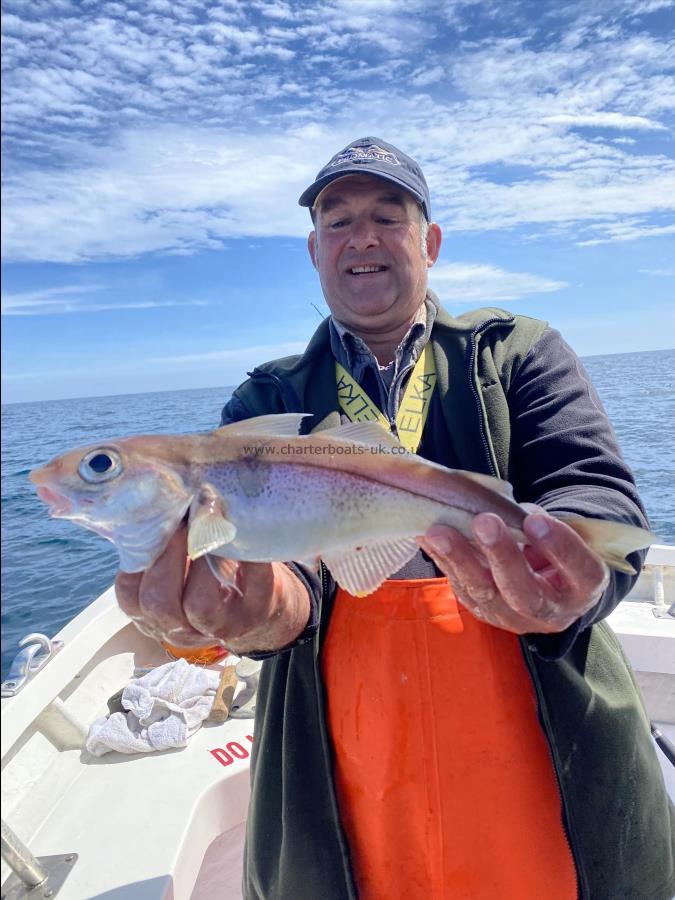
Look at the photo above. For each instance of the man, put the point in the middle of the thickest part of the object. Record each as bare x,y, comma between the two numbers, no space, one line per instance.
472,736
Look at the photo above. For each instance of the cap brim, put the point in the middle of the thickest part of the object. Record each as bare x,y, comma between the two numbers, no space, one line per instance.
308,197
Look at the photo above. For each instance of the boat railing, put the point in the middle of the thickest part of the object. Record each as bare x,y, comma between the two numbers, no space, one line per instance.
39,878
657,580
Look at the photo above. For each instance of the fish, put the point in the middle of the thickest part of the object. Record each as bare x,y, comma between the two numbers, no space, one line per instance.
349,495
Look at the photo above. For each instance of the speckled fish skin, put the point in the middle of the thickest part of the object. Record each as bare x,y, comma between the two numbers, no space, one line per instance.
291,511
281,495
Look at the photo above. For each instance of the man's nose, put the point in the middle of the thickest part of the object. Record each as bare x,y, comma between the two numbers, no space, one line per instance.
363,234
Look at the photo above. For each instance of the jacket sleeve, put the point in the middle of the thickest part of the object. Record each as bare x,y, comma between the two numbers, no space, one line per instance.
235,410
565,457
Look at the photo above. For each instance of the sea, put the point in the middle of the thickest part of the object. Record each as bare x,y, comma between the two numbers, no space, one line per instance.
52,569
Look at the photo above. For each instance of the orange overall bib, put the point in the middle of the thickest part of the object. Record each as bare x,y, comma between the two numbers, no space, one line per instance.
445,784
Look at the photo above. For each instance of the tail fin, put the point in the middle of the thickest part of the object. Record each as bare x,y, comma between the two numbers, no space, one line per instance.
612,541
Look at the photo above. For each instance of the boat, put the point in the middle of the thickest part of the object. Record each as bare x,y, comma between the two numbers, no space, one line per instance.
170,825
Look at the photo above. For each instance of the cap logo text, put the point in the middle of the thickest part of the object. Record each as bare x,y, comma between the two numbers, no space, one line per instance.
364,155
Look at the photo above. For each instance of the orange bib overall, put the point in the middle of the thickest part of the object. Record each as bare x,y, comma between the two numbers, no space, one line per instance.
444,780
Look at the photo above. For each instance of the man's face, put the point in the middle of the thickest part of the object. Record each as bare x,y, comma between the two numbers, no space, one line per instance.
367,249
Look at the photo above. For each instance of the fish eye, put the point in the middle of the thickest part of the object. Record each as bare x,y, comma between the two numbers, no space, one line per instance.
100,465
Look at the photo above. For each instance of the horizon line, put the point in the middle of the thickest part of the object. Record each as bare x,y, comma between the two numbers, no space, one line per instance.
232,387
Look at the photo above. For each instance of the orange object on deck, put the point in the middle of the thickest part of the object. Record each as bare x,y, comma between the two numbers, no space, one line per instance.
445,784
202,656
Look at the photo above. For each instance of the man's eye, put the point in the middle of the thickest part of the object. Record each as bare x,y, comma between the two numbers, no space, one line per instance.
338,223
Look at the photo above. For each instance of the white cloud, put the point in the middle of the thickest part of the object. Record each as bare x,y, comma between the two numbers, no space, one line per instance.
165,190
30,301
426,76
629,230
75,299
603,120
173,189
472,282
275,10
240,359
650,6
241,355
174,131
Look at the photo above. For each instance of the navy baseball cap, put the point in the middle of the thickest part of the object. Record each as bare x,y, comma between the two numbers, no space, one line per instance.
372,156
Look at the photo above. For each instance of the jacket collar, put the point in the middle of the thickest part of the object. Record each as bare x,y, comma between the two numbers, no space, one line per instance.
467,323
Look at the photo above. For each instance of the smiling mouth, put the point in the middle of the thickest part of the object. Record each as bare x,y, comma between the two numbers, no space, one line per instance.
366,270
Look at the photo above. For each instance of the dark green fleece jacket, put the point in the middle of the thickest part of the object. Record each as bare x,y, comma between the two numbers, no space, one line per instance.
512,400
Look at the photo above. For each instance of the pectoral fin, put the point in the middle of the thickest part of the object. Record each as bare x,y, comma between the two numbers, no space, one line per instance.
224,571
209,527
363,569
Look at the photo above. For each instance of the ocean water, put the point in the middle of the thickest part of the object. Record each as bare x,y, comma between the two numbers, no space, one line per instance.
51,569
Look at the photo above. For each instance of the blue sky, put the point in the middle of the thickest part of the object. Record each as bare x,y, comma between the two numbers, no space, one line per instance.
154,153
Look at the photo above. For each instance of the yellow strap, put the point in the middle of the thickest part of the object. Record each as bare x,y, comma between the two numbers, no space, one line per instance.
412,413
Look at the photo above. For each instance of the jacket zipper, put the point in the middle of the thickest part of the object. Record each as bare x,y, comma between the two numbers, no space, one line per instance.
582,886
541,710
323,728
474,350
287,402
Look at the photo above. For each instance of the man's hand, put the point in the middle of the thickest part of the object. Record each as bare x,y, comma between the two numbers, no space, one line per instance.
541,588
188,607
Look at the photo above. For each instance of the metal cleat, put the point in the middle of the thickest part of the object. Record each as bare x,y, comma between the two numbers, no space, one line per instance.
36,653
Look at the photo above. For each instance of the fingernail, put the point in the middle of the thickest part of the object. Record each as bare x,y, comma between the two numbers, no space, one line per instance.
486,530
440,544
537,526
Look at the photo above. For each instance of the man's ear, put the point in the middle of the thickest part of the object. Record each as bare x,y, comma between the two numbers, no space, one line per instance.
313,248
434,239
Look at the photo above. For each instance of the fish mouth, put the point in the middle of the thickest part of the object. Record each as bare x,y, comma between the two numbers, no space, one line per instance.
57,503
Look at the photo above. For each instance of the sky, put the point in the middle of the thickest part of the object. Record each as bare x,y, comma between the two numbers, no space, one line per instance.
154,153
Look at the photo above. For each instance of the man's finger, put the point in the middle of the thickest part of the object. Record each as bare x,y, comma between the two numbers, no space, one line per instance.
515,580
582,570
161,592
458,559
471,580
206,601
127,586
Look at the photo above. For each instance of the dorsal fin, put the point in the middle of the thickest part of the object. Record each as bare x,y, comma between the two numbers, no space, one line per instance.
369,433
277,425
332,420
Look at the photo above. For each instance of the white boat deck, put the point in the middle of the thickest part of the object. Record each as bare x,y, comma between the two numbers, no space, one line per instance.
59,799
